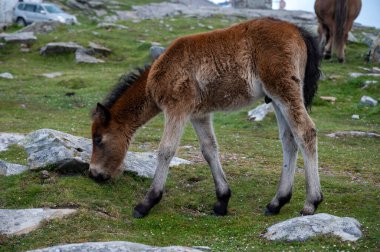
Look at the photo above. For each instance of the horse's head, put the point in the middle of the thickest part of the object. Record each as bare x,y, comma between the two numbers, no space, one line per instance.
109,145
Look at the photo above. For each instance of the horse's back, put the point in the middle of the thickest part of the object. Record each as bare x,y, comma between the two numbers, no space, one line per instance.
225,69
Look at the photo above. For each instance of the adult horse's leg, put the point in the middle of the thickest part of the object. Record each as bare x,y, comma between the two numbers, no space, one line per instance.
304,131
173,130
290,150
329,41
203,128
347,29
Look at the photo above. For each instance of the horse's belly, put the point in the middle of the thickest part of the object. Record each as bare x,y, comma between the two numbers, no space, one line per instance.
230,93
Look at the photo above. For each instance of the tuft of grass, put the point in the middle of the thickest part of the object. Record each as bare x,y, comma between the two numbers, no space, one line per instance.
14,154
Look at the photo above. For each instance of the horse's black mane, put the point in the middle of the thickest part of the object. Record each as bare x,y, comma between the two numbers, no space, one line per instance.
125,81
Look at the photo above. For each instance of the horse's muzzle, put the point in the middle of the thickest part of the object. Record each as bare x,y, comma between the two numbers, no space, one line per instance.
98,177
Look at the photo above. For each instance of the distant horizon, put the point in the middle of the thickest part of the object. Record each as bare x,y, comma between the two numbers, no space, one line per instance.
369,14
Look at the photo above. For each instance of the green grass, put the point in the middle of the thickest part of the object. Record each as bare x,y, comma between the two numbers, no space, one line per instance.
251,153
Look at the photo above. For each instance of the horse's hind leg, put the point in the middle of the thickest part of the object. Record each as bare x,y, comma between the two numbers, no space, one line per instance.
329,41
341,48
209,148
174,126
290,150
305,134
289,101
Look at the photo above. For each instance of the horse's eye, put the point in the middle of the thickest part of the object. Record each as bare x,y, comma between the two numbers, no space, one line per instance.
97,140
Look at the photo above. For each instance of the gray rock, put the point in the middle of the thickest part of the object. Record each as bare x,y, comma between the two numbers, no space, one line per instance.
47,147
52,75
353,133
2,45
196,3
352,38
368,38
77,5
20,37
113,246
7,139
50,147
22,221
355,117
305,227
356,75
6,76
8,169
99,49
374,52
366,100
368,83
40,27
96,4
126,15
259,113
60,47
82,56
156,51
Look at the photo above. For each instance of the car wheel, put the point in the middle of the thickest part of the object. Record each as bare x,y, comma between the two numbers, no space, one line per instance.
20,21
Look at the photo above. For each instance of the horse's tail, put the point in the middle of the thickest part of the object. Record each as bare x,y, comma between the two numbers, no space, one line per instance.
340,18
312,72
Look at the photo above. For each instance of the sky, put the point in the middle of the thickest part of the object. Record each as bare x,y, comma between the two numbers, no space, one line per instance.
369,15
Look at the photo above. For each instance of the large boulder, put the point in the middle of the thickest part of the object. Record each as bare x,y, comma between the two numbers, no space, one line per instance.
50,147
20,37
113,246
8,169
60,47
374,52
6,76
22,221
7,139
99,49
84,56
305,227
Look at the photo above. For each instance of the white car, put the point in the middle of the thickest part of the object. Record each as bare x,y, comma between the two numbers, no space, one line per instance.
27,13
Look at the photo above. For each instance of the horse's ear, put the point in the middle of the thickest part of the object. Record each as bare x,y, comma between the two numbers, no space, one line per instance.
102,113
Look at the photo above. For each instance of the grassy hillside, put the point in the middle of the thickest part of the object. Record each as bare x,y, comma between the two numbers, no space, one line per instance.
251,152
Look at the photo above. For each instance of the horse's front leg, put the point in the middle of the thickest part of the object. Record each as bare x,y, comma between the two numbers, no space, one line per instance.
209,147
174,126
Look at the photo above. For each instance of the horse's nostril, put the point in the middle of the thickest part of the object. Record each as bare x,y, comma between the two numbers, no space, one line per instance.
98,177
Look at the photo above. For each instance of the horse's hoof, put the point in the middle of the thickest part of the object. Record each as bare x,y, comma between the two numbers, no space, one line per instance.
340,60
269,212
220,210
140,211
138,215
305,212
327,56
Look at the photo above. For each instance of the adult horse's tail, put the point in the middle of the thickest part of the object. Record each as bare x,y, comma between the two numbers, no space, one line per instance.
340,19
312,72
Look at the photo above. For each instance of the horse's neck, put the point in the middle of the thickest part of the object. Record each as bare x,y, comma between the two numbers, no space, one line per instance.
135,107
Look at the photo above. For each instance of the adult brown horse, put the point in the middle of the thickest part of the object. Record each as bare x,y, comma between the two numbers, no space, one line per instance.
336,18
214,71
